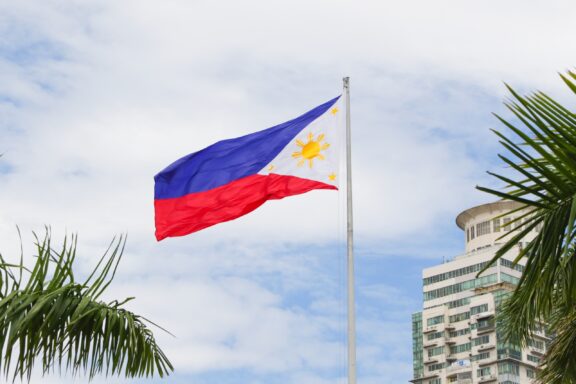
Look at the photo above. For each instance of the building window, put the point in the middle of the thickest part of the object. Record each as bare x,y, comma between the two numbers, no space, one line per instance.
435,320
511,265
479,309
506,225
460,287
435,367
455,273
481,356
483,372
435,351
460,348
530,373
460,332
496,225
509,367
509,351
485,323
483,228
536,344
459,317
472,233
436,381
459,303
482,340
533,359
506,278
435,335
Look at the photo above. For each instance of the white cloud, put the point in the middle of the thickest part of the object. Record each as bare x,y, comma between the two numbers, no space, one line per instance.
98,96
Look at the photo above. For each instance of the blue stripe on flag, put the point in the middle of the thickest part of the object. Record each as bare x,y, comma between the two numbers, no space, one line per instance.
232,159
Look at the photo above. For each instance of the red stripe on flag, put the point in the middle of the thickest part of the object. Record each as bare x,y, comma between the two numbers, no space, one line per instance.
193,212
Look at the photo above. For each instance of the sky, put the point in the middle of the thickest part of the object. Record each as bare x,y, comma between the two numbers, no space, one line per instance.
96,97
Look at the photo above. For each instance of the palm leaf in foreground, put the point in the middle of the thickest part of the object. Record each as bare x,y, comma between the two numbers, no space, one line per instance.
542,153
50,316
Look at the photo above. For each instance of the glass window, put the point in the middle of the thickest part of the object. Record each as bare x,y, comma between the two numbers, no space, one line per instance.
459,317
496,225
506,278
509,264
455,273
533,359
435,320
485,323
481,356
479,309
460,287
483,228
459,303
481,340
435,351
461,348
460,332
435,367
483,372
507,227
509,367
435,335
536,344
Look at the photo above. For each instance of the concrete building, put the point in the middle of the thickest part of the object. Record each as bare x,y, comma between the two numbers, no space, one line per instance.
456,338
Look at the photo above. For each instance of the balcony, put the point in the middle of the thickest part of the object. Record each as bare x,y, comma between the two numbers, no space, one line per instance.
459,370
485,347
487,378
486,329
536,350
432,328
483,315
485,362
431,343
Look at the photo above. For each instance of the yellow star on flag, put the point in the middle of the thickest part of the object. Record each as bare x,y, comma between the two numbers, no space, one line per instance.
334,110
332,176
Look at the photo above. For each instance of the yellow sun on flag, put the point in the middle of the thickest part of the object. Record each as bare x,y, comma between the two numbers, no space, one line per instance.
310,150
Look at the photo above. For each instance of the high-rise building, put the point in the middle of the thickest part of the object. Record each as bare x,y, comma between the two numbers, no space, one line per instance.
456,338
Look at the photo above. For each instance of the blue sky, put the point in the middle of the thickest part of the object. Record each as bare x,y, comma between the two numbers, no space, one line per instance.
98,96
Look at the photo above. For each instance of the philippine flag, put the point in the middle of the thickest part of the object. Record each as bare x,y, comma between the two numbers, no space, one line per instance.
233,177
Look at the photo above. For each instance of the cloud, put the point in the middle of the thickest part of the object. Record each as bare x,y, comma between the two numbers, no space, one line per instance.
99,96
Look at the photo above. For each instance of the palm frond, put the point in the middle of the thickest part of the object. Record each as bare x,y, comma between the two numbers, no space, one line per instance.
542,153
48,316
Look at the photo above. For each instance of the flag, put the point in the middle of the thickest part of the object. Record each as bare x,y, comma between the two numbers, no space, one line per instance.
233,177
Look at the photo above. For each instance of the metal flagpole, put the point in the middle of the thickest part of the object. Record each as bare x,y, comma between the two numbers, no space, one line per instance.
350,257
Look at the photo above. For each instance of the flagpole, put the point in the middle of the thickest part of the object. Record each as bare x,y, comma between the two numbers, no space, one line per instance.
350,244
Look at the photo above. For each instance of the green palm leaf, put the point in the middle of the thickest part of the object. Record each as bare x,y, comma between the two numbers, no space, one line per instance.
542,152
46,315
